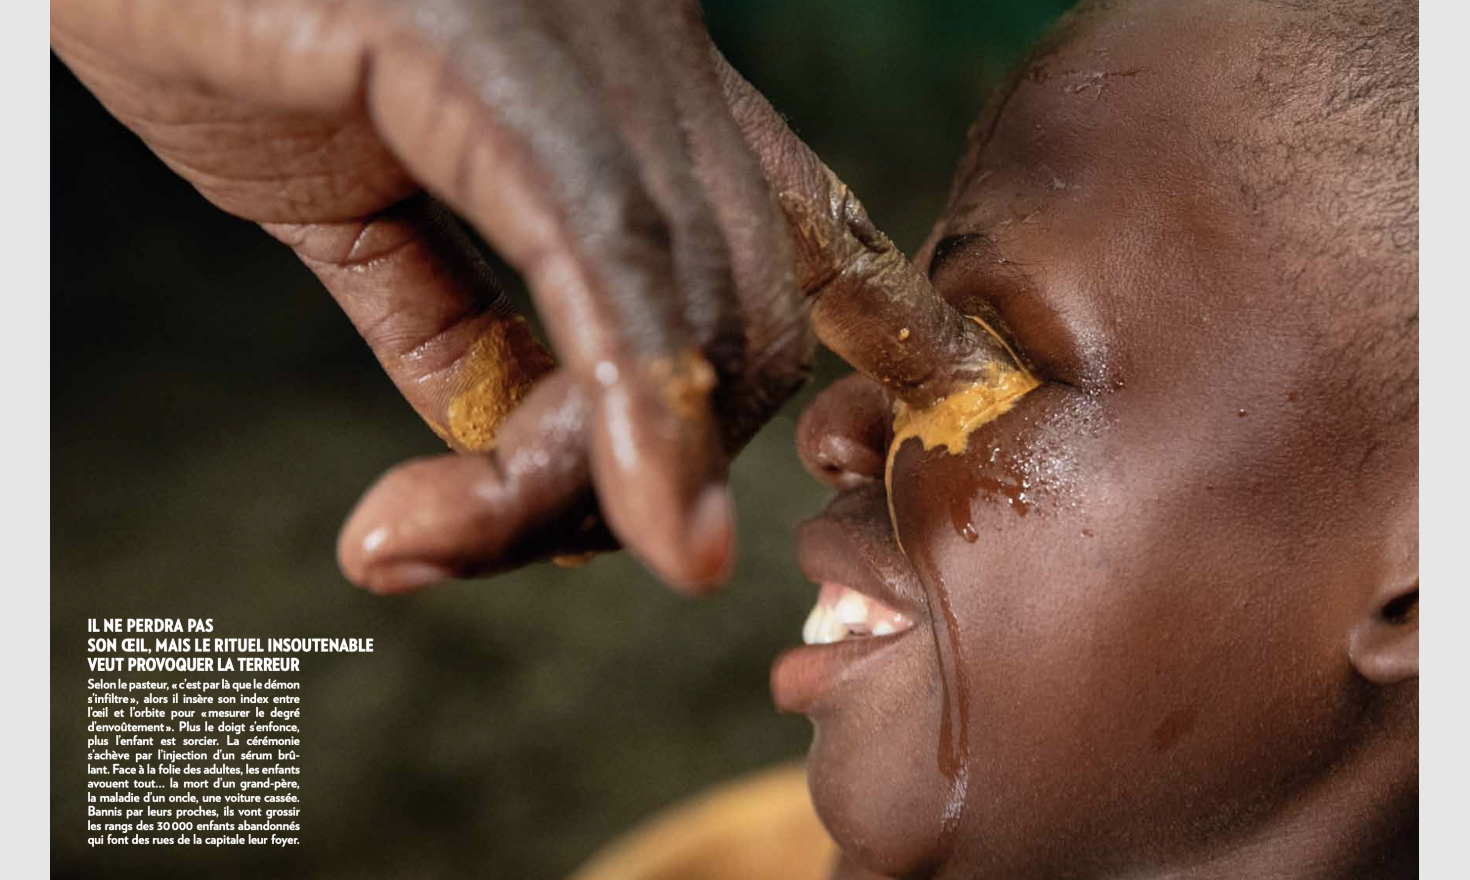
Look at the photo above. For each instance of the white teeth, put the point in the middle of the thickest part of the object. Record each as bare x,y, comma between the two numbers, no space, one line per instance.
852,609
841,612
832,629
822,627
812,626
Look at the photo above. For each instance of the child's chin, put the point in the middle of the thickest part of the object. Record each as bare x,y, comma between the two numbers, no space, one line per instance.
881,801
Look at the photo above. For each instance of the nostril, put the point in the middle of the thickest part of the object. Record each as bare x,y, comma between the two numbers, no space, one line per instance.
832,475
841,438
848,461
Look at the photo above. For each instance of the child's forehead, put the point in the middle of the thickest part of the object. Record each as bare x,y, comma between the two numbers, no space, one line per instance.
1108,181
1177,217
1116,82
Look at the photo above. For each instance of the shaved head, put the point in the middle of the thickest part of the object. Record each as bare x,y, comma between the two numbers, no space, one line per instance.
1334,169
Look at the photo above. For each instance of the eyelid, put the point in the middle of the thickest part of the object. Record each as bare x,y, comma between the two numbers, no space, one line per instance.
972,274
951,246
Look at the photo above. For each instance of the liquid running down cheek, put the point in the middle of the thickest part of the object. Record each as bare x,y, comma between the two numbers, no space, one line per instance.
949,423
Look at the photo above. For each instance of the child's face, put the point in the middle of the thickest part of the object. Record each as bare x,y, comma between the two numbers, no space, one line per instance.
1132,591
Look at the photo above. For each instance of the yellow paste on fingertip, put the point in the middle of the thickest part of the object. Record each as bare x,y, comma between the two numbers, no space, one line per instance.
497,373
684,381
950,421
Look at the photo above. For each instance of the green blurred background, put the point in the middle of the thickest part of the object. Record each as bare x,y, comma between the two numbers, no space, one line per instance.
214,418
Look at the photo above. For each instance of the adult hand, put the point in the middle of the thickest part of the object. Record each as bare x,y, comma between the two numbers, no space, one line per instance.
672,231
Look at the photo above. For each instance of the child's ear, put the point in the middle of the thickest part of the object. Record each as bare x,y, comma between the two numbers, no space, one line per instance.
1384,644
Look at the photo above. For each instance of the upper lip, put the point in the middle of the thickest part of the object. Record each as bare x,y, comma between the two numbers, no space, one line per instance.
851,543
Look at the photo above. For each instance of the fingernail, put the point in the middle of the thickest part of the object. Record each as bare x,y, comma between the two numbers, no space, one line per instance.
403,577
711,535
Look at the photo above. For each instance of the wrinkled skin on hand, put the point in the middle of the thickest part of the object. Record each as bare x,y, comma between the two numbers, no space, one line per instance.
679,242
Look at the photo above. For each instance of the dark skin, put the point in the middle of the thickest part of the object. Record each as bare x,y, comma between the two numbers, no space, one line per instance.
1192,650
1166,606
1183,642
680,243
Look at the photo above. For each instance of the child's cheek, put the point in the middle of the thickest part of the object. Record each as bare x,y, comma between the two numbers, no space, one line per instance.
957,515
1021,463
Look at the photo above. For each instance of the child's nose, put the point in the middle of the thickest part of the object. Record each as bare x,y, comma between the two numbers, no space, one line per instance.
843,435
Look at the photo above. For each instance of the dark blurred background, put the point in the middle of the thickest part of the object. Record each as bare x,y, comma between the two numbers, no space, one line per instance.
214,417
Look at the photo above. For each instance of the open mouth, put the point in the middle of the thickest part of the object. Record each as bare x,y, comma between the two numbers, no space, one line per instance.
869,601
847,639
844,613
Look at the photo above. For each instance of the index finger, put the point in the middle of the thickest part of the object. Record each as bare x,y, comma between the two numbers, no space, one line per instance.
520,143
870,305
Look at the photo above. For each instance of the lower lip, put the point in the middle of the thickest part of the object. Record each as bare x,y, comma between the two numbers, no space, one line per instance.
803,677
